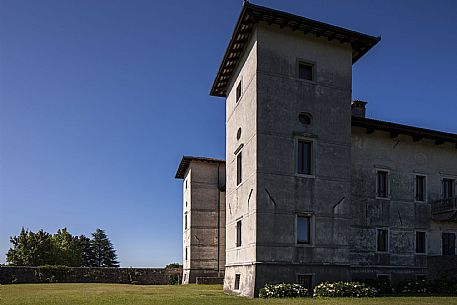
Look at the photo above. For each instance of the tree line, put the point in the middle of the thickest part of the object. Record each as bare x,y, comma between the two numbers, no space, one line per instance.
41,248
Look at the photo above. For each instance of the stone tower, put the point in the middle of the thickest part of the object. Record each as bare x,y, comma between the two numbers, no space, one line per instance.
287,82
203,219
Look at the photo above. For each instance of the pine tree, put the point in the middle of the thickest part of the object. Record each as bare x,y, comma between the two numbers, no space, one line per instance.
103,250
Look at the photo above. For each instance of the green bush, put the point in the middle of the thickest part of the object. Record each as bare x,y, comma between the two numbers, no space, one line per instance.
344,289
413,287
174,279
382,287
283,291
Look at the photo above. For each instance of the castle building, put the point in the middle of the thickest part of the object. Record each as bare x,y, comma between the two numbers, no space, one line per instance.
311,189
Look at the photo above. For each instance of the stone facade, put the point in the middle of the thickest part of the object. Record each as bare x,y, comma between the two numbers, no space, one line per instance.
273,109
203,218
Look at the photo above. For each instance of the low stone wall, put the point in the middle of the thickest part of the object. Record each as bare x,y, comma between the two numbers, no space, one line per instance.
61,274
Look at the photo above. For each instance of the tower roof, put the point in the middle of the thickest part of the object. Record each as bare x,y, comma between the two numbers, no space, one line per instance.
252,14
185,162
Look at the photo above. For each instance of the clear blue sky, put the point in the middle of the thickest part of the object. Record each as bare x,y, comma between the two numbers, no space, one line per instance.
100,99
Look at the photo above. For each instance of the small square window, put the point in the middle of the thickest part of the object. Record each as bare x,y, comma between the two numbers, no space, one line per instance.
303,229
305,71
238,91
383,240
237,281
384,277
306,281
382,184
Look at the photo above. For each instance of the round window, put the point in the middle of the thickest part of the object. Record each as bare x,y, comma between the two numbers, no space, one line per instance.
305,118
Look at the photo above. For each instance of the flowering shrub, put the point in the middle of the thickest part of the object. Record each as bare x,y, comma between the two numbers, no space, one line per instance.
283,291
412,287
344,289
383,287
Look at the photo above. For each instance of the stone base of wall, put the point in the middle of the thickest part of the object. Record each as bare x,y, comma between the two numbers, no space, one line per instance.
395,273
442,267
60,274
190,275
210,280
254,277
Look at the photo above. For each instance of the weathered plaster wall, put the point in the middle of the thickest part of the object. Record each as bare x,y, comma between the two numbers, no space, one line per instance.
205,210
282,193
403,158
241,202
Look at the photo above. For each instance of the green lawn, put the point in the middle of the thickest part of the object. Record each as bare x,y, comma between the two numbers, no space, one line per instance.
113,294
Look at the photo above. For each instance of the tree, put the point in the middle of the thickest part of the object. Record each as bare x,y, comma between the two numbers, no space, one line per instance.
104,253
30,249
86,252
173,266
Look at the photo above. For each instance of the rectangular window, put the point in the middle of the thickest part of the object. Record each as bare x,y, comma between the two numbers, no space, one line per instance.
383,240
238,233
237,281
382,184
238,91
420,242
305,71
306,281
448,188
185,221
420,188
186,254
303,229
239,168
383,277
448,243
304,155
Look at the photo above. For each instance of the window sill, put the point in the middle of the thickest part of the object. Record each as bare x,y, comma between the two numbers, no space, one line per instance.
383,198
305,176
304,245
307,81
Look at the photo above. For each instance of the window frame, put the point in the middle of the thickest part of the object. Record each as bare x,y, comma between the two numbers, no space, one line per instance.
452,180
237,283
442,243
378,171
309,63
239,233
387,275
239,168
387,240
239,90
311,284
425,242
425,191
311,229
312,161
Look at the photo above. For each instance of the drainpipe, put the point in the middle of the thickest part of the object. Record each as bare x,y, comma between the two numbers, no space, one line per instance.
218,219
